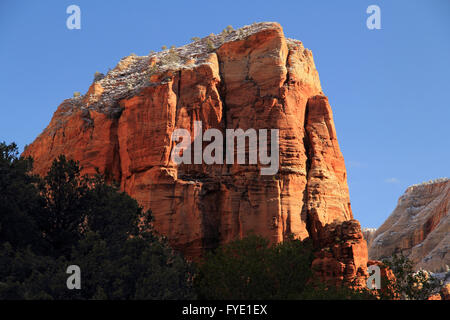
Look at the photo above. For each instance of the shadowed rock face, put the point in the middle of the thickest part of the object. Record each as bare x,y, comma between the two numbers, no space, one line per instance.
250,78
419,227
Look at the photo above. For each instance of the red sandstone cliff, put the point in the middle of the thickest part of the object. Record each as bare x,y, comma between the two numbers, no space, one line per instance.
248,78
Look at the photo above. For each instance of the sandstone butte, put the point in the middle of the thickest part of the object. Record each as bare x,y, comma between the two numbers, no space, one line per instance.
253,77
419,227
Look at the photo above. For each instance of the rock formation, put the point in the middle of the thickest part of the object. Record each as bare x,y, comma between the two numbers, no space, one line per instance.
368,234
419,227
343,253
252,77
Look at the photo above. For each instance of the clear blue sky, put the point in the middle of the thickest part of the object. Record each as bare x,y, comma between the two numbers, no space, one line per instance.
389,88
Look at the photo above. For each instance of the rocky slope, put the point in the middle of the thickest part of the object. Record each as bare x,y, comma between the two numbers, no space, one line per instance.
419,227
252,77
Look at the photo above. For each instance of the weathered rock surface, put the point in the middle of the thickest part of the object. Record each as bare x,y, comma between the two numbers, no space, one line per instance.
343,253
249,78
368,234
419,227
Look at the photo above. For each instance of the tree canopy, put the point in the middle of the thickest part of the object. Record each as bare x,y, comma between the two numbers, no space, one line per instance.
69,219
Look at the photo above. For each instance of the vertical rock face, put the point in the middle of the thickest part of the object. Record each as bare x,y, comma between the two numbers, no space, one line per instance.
327,192
419,227
249,78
